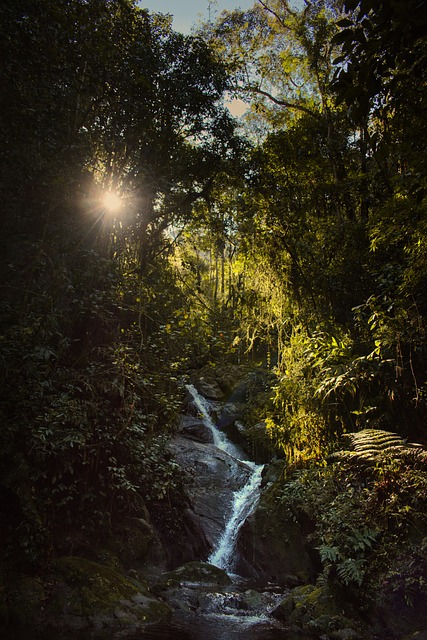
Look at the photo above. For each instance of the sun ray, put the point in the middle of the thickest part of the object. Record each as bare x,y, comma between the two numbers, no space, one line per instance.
112,202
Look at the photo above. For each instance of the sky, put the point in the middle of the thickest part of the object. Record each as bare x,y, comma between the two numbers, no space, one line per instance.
187,12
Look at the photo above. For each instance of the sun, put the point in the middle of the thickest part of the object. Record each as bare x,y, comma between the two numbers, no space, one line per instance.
112,201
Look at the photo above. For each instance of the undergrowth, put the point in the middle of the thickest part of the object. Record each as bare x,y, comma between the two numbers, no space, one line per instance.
369,514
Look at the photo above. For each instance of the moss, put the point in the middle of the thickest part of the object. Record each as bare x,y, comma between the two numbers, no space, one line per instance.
108,559
136,542
86,574
274,543
25,598
314,608
101,595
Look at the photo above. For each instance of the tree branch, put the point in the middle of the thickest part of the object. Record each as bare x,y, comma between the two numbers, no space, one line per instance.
276,15
284,103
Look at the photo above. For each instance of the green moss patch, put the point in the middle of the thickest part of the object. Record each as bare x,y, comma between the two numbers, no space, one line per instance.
89,594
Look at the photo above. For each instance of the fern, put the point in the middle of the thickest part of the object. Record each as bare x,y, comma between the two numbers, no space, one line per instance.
376,440
368,446
329,554
351,571
363,539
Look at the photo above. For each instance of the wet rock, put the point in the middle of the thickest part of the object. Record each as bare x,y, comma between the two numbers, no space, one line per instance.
273,545
210,478
194,429
200,573
252,600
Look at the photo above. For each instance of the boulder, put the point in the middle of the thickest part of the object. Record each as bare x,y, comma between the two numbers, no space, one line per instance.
136,543
273,545
86,594
209,388
81,594
315,609
211,476
25,598
194,573
194,429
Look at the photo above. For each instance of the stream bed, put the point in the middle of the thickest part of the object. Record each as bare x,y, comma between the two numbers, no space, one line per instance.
193,628
204,609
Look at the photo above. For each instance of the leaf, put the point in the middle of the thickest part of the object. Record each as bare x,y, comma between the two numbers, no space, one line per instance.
351,571
329,554
343,36
345,22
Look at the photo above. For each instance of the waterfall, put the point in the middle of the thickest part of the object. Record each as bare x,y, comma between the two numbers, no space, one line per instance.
244,499
244,502
219,438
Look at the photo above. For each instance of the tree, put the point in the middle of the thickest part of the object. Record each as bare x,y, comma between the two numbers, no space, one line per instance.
96,96
112,94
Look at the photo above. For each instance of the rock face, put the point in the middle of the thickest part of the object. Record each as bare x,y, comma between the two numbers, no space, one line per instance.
209,387
253,439
270,548
274,546
83,594
211,478
194,429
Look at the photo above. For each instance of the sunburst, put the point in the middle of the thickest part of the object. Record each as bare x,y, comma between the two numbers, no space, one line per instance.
112,202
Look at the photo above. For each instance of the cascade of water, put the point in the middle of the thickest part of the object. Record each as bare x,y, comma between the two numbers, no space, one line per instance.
219,438
244,500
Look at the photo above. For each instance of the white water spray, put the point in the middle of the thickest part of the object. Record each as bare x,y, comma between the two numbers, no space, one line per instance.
219,438
244,500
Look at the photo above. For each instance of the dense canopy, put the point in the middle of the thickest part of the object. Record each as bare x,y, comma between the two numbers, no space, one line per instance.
147,233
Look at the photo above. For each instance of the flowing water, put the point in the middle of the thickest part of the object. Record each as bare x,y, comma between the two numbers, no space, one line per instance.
237,612
244,500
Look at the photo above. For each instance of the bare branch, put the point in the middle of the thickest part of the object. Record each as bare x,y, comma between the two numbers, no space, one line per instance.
284,103
276,15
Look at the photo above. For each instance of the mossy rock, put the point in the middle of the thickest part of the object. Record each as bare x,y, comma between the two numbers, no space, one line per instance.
194,573
88,594
135,542
24,599
274,545
314,609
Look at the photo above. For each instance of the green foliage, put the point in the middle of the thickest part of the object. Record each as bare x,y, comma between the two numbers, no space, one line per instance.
365,518
86,405
93,323
382,48
296,424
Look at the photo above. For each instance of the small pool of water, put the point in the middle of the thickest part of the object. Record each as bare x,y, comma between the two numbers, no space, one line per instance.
206,627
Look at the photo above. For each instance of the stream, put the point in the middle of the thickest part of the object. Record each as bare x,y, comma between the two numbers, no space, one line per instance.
241,610
244,500
238,611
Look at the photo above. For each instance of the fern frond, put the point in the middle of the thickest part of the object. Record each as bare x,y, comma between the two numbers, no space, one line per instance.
369,446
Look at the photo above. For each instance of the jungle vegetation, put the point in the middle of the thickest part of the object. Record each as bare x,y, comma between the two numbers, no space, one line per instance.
146,233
